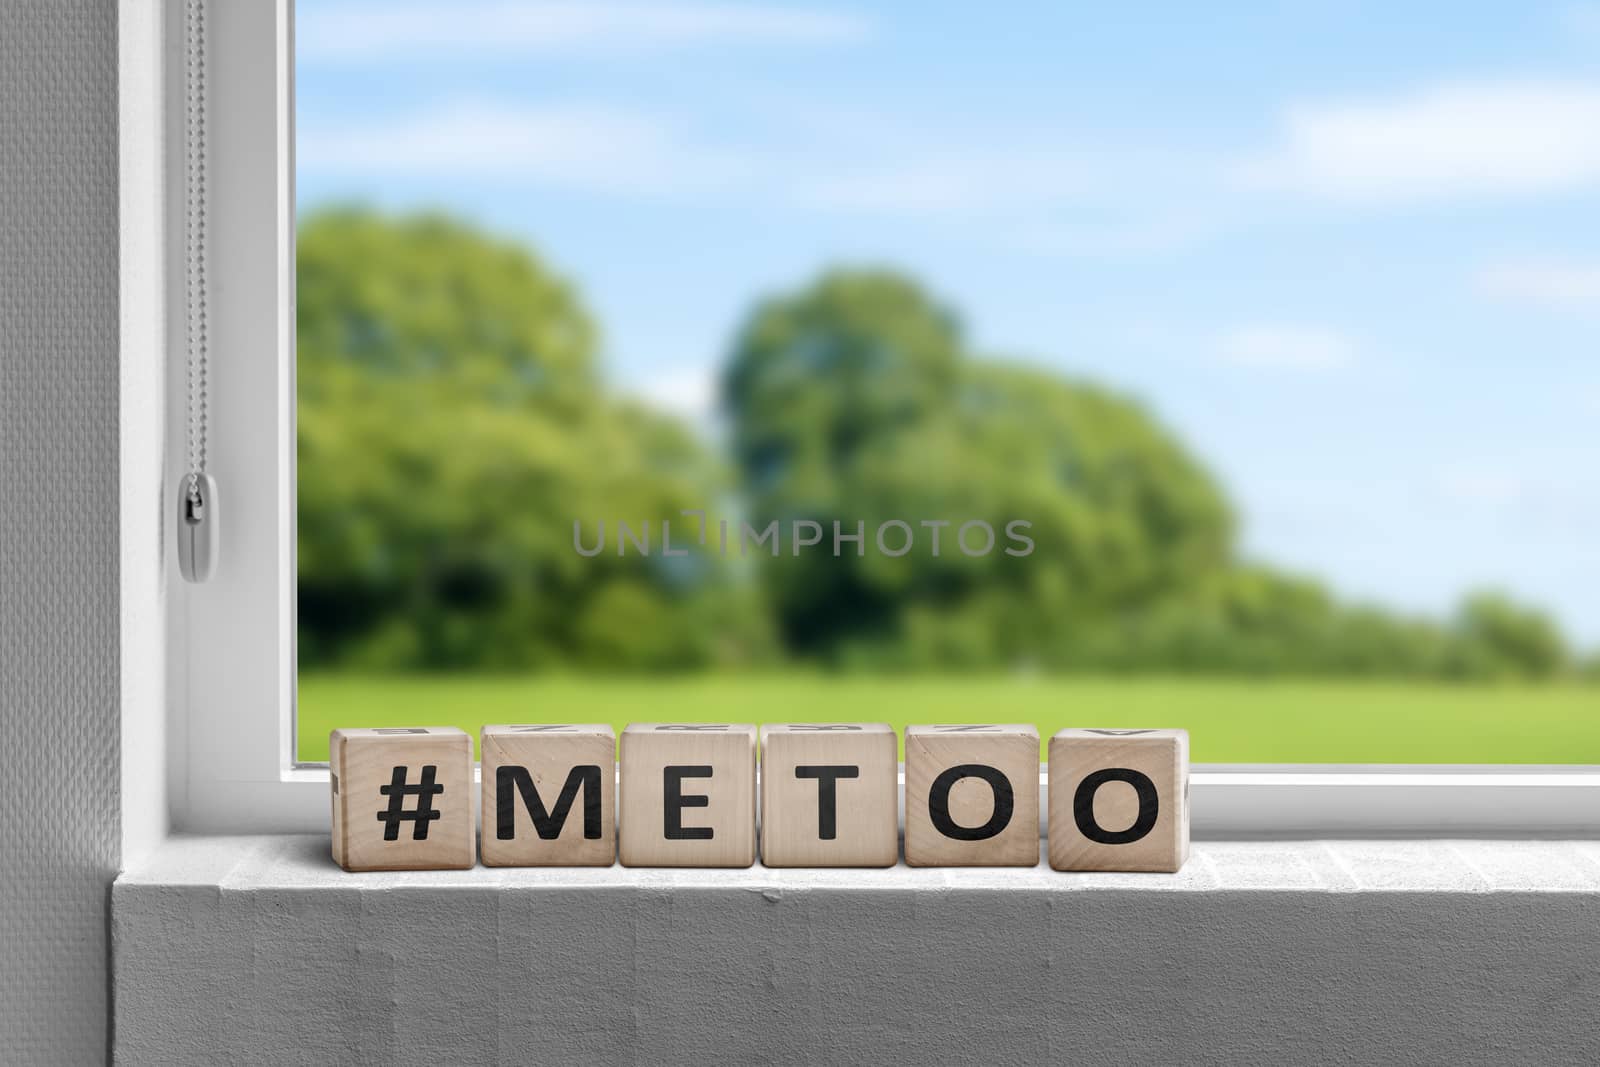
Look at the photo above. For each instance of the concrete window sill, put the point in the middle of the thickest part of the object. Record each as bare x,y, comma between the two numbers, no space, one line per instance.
1388,951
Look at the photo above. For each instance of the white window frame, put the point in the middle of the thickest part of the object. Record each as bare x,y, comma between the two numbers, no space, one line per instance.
231,662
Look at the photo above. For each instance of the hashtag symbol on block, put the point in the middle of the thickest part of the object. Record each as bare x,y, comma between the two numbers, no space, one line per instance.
397,790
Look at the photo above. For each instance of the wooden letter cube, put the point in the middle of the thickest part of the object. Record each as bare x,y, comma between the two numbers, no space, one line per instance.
688,795
402,798
1119,800
972,796
828,795
549,795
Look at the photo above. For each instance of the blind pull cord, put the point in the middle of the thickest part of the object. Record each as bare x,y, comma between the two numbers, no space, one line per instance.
197,495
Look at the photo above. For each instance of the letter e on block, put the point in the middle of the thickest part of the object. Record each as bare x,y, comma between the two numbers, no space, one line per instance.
549,795
972,796
688,795
828,795
402,798
1119,800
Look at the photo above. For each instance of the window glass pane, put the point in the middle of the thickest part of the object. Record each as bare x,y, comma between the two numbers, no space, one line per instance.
1227,367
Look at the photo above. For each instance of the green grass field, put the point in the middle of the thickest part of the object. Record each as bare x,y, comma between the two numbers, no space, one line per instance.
1230,721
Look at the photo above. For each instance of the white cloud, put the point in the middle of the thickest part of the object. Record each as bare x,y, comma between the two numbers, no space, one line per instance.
1280,347
1563,285
982,179
1024,194
366,31
687,391
1033,192
1114,237
1484,485
1582,19
1543,490
1456,139
578,146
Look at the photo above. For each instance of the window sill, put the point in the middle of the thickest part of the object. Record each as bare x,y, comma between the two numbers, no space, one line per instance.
224,946
301,862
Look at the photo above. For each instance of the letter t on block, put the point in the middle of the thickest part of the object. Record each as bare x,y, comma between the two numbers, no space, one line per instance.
688,795
549,795
1119,800
829,794
402,798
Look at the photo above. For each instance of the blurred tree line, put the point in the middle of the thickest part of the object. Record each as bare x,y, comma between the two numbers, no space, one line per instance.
454,423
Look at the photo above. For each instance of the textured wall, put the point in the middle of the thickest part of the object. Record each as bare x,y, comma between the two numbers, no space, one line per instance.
257,951
58,524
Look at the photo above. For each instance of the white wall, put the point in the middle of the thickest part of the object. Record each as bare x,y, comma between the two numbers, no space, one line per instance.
58,525
261,951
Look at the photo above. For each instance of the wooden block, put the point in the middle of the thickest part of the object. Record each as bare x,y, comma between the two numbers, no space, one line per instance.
972,796
829,795
1119,800
549,795
688,795
402,798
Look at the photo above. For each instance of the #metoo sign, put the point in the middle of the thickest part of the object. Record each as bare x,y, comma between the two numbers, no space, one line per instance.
829,796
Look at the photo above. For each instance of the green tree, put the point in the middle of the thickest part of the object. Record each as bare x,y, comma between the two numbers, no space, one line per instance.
856,400
451,430
1499,638
453,424
1256,620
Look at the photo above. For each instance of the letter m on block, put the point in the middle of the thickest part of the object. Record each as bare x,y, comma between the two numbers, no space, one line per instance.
509,781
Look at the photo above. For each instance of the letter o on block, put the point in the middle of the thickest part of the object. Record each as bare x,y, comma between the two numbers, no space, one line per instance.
972,796
1119,800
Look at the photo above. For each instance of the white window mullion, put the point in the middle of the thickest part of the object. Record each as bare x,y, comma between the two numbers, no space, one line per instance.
233,636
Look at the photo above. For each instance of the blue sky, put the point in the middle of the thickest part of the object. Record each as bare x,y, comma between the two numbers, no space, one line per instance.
1350,251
